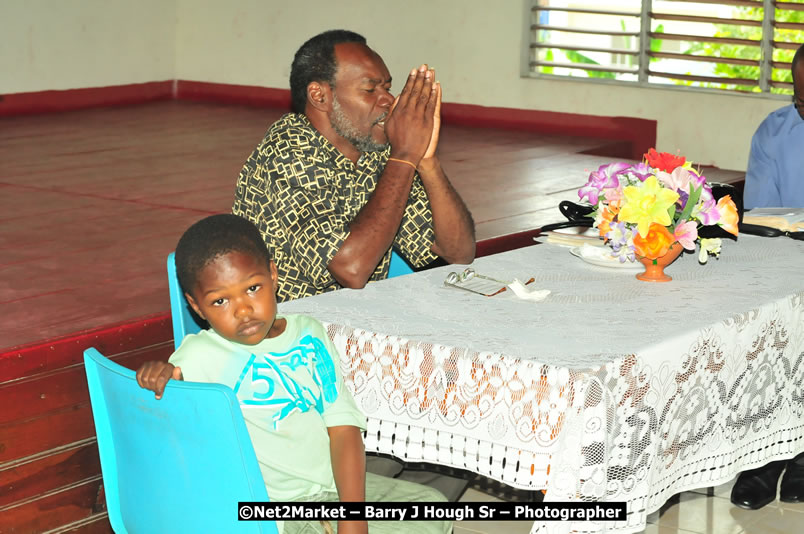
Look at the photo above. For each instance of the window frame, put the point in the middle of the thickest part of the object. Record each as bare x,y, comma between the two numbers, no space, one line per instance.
767,45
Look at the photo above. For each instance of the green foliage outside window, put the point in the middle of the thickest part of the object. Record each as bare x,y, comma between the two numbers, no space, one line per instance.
700,48
749,52
577,57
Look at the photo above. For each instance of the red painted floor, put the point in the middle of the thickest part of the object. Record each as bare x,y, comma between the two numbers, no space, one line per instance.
91,202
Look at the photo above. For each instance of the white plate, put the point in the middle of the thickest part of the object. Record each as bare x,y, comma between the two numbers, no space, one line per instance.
606,260
571,237
576,231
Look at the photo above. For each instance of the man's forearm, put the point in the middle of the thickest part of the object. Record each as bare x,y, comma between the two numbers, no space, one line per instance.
452,222
410,129
372,232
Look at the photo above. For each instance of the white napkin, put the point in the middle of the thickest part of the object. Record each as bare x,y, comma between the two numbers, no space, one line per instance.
598,253
525,293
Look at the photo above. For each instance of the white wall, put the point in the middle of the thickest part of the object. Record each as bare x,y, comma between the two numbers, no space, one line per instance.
475,45
67,44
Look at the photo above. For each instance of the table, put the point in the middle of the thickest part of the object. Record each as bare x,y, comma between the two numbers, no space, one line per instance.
611,389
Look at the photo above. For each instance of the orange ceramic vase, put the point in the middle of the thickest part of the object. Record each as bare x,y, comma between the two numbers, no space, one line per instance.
654,269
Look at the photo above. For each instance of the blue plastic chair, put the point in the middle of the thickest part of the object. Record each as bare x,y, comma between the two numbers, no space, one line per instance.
179,464
184,321
399,266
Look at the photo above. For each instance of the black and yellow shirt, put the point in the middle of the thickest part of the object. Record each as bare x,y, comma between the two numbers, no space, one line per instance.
302,193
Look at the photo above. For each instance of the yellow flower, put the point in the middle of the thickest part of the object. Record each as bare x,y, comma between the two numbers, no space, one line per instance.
647,204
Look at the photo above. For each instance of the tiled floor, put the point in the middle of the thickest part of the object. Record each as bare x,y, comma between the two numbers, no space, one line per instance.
692,512
488,527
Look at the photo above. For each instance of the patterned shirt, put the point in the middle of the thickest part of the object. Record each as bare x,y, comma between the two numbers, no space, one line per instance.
302,193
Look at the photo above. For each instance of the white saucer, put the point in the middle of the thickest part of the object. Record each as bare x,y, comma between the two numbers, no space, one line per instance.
601,257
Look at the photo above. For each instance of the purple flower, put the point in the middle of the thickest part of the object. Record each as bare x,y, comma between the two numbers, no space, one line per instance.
621,240
706,210
683,197
624,253
642,170
706,193
603,178
698,179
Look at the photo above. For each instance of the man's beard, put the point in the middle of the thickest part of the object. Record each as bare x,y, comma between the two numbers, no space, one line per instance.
346,129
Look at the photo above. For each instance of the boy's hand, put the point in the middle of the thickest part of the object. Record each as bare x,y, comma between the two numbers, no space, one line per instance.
155,375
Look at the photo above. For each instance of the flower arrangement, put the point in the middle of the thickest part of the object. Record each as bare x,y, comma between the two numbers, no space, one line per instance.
642,210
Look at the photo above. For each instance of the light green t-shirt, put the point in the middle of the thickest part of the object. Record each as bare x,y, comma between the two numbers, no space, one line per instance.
290,389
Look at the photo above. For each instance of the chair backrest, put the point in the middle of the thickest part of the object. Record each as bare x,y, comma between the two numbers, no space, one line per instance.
184,321
398,266
179,464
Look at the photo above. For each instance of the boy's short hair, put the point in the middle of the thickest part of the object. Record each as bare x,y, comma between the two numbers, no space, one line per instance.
212,237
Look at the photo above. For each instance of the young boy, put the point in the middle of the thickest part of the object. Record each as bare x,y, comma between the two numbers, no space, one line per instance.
285,371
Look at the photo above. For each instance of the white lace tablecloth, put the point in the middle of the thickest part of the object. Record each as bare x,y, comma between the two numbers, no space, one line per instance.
611,389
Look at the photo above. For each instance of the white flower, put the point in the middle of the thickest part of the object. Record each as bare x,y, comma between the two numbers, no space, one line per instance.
709,246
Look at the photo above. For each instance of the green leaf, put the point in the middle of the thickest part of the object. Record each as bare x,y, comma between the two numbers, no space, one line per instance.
695,195
627,42
656,44
727,50
671,211
548,56
577,57
626,39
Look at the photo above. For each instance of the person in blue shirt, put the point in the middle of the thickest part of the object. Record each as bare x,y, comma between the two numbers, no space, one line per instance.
775,178
775,175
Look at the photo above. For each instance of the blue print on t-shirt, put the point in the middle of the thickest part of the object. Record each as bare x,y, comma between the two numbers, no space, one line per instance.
262,381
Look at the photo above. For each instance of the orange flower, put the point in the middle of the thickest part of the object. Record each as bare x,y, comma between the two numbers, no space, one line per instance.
606,217
728,215
655,244
664,161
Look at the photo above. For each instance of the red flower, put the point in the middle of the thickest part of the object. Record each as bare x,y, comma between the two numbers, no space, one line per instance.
664,161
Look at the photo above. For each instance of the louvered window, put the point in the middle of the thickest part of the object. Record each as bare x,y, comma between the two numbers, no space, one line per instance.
737,45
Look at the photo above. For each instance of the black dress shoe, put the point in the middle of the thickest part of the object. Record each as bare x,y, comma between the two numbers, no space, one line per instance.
757,487
792,489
